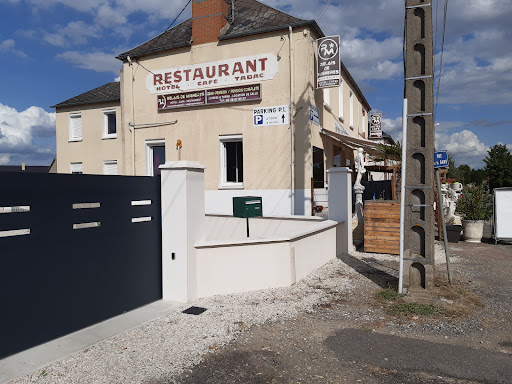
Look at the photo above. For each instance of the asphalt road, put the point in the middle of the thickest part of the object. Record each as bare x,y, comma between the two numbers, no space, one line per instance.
355,341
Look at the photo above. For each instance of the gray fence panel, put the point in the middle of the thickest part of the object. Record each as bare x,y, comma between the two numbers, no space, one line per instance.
57,279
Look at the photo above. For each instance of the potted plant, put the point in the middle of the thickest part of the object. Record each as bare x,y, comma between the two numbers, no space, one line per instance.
475,207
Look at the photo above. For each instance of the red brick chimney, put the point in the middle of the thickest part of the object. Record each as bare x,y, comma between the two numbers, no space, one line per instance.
208,18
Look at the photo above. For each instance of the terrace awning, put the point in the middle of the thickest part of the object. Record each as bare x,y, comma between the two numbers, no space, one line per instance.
353,142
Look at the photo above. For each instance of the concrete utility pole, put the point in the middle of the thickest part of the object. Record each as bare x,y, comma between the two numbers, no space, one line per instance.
419,260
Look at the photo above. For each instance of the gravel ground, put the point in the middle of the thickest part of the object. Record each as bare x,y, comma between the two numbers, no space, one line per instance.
171,346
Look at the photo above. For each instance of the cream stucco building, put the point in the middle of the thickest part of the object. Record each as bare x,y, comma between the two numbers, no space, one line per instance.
235,84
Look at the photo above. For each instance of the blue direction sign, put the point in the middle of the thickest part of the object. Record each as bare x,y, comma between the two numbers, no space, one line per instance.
440,159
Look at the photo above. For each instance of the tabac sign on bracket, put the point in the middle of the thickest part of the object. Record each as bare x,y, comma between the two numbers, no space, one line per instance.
236,71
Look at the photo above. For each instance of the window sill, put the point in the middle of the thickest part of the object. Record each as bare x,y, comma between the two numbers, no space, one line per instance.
231,186
74,140
109,137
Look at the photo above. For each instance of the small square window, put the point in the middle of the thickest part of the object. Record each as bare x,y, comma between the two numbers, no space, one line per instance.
109,124
231,162
75,127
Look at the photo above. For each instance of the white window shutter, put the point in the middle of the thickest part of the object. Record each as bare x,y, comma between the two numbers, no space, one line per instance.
340,100
76,168
110,168
76,127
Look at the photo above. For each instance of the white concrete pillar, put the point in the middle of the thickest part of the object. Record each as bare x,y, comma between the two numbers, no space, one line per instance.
340,206
182,226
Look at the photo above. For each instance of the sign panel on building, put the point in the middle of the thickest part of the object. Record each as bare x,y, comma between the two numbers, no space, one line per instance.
314,113
211,96
277,115
328,62
338,128
375,126
441,159
240,70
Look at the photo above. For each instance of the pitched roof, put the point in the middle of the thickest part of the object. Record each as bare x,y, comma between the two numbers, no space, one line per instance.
250,18
106,93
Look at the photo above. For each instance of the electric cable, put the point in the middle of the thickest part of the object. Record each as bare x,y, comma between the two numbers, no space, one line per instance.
441,58
169,27
324,11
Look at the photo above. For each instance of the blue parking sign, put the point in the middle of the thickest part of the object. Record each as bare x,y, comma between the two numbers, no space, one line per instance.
258,119
440,159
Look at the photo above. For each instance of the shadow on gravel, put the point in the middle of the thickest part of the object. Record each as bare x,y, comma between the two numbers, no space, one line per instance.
413,355
232,367
382,278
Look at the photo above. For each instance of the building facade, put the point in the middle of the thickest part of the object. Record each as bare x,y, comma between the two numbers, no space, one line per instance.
233,88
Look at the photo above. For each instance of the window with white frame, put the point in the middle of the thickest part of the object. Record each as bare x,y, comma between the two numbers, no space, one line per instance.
109,124
110,167
327,97
231,161
363,126
155,156
75,127
351,110
340,100
76,168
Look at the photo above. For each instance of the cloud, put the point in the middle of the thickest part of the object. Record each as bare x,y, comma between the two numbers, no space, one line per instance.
75,33
20,130
96,61
393,127
9,46
464,146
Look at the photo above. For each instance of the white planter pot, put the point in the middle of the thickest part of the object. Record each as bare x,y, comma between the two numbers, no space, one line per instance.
472,230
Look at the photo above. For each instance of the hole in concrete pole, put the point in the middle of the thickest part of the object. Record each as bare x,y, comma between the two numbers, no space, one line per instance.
420,14
418,241
418,198
418,130
419,167
417,276
419,93
420,57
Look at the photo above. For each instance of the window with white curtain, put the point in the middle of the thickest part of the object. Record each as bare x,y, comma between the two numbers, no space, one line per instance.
75,127
340,100
327,96
351,110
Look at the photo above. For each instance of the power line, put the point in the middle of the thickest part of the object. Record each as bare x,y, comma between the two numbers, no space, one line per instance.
441,58
324,10
169,27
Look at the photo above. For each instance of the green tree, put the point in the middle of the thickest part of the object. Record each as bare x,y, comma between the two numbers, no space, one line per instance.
478,176
499,166
464,173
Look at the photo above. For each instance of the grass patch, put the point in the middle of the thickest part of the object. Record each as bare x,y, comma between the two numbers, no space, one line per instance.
388,294
415,309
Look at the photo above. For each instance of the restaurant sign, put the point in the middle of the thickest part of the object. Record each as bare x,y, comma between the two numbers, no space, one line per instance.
240,70
210,97
328,62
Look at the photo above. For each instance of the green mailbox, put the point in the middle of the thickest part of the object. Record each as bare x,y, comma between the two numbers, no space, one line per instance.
247,206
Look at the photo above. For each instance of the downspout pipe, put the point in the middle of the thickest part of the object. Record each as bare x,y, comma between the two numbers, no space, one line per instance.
292,133
132,123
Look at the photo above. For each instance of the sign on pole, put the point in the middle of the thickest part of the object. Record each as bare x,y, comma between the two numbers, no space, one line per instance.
328,62
314,113
277,115
375,126
440,159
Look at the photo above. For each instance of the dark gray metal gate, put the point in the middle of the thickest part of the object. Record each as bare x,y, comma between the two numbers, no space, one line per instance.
93,251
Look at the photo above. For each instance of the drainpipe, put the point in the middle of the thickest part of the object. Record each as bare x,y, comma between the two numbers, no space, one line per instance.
292,133
132,123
